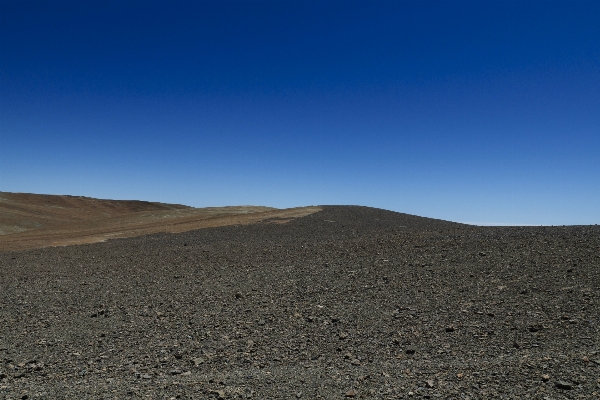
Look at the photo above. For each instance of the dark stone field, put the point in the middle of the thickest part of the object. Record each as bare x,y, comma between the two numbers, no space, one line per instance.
349,302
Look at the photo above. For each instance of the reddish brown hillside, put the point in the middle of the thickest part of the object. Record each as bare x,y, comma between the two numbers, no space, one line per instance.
33,220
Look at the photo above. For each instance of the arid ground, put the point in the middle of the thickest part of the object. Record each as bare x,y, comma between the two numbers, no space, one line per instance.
331,302
35,221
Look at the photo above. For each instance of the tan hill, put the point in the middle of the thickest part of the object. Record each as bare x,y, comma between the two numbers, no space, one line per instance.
35,220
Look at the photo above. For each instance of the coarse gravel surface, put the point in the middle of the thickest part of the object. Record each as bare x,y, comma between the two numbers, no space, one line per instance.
346,303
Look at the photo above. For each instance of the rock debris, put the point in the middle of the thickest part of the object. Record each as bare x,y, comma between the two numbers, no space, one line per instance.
348,302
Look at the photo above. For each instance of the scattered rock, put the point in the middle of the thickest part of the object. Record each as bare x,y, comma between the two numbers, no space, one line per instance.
400,333
563,385
220,393
198,361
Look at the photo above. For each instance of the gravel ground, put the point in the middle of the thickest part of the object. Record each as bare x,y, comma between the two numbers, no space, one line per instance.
349,302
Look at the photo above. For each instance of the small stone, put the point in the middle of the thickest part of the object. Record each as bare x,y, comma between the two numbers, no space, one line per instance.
299,394
146,376
460,376
545,377
186,373
261,322
356,361
175,372
351,393
563,385
429,383
198,361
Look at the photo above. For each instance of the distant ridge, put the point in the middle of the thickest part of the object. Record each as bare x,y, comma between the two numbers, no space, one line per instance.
30,220
26,211
37,220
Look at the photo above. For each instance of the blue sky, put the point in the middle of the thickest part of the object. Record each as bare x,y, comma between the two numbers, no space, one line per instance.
484,111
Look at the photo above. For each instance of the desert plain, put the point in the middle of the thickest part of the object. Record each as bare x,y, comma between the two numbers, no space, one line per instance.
103,299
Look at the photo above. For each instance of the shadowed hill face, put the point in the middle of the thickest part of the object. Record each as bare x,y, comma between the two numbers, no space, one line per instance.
34,221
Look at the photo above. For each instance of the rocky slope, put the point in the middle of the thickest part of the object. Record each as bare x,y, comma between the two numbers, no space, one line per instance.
348,302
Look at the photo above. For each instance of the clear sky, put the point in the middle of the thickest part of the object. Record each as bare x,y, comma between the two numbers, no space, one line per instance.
483,111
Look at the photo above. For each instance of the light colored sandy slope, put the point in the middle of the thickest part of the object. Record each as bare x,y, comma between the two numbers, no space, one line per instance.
34,221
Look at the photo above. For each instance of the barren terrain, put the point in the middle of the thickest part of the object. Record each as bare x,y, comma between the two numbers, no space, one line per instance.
343,303
34,221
